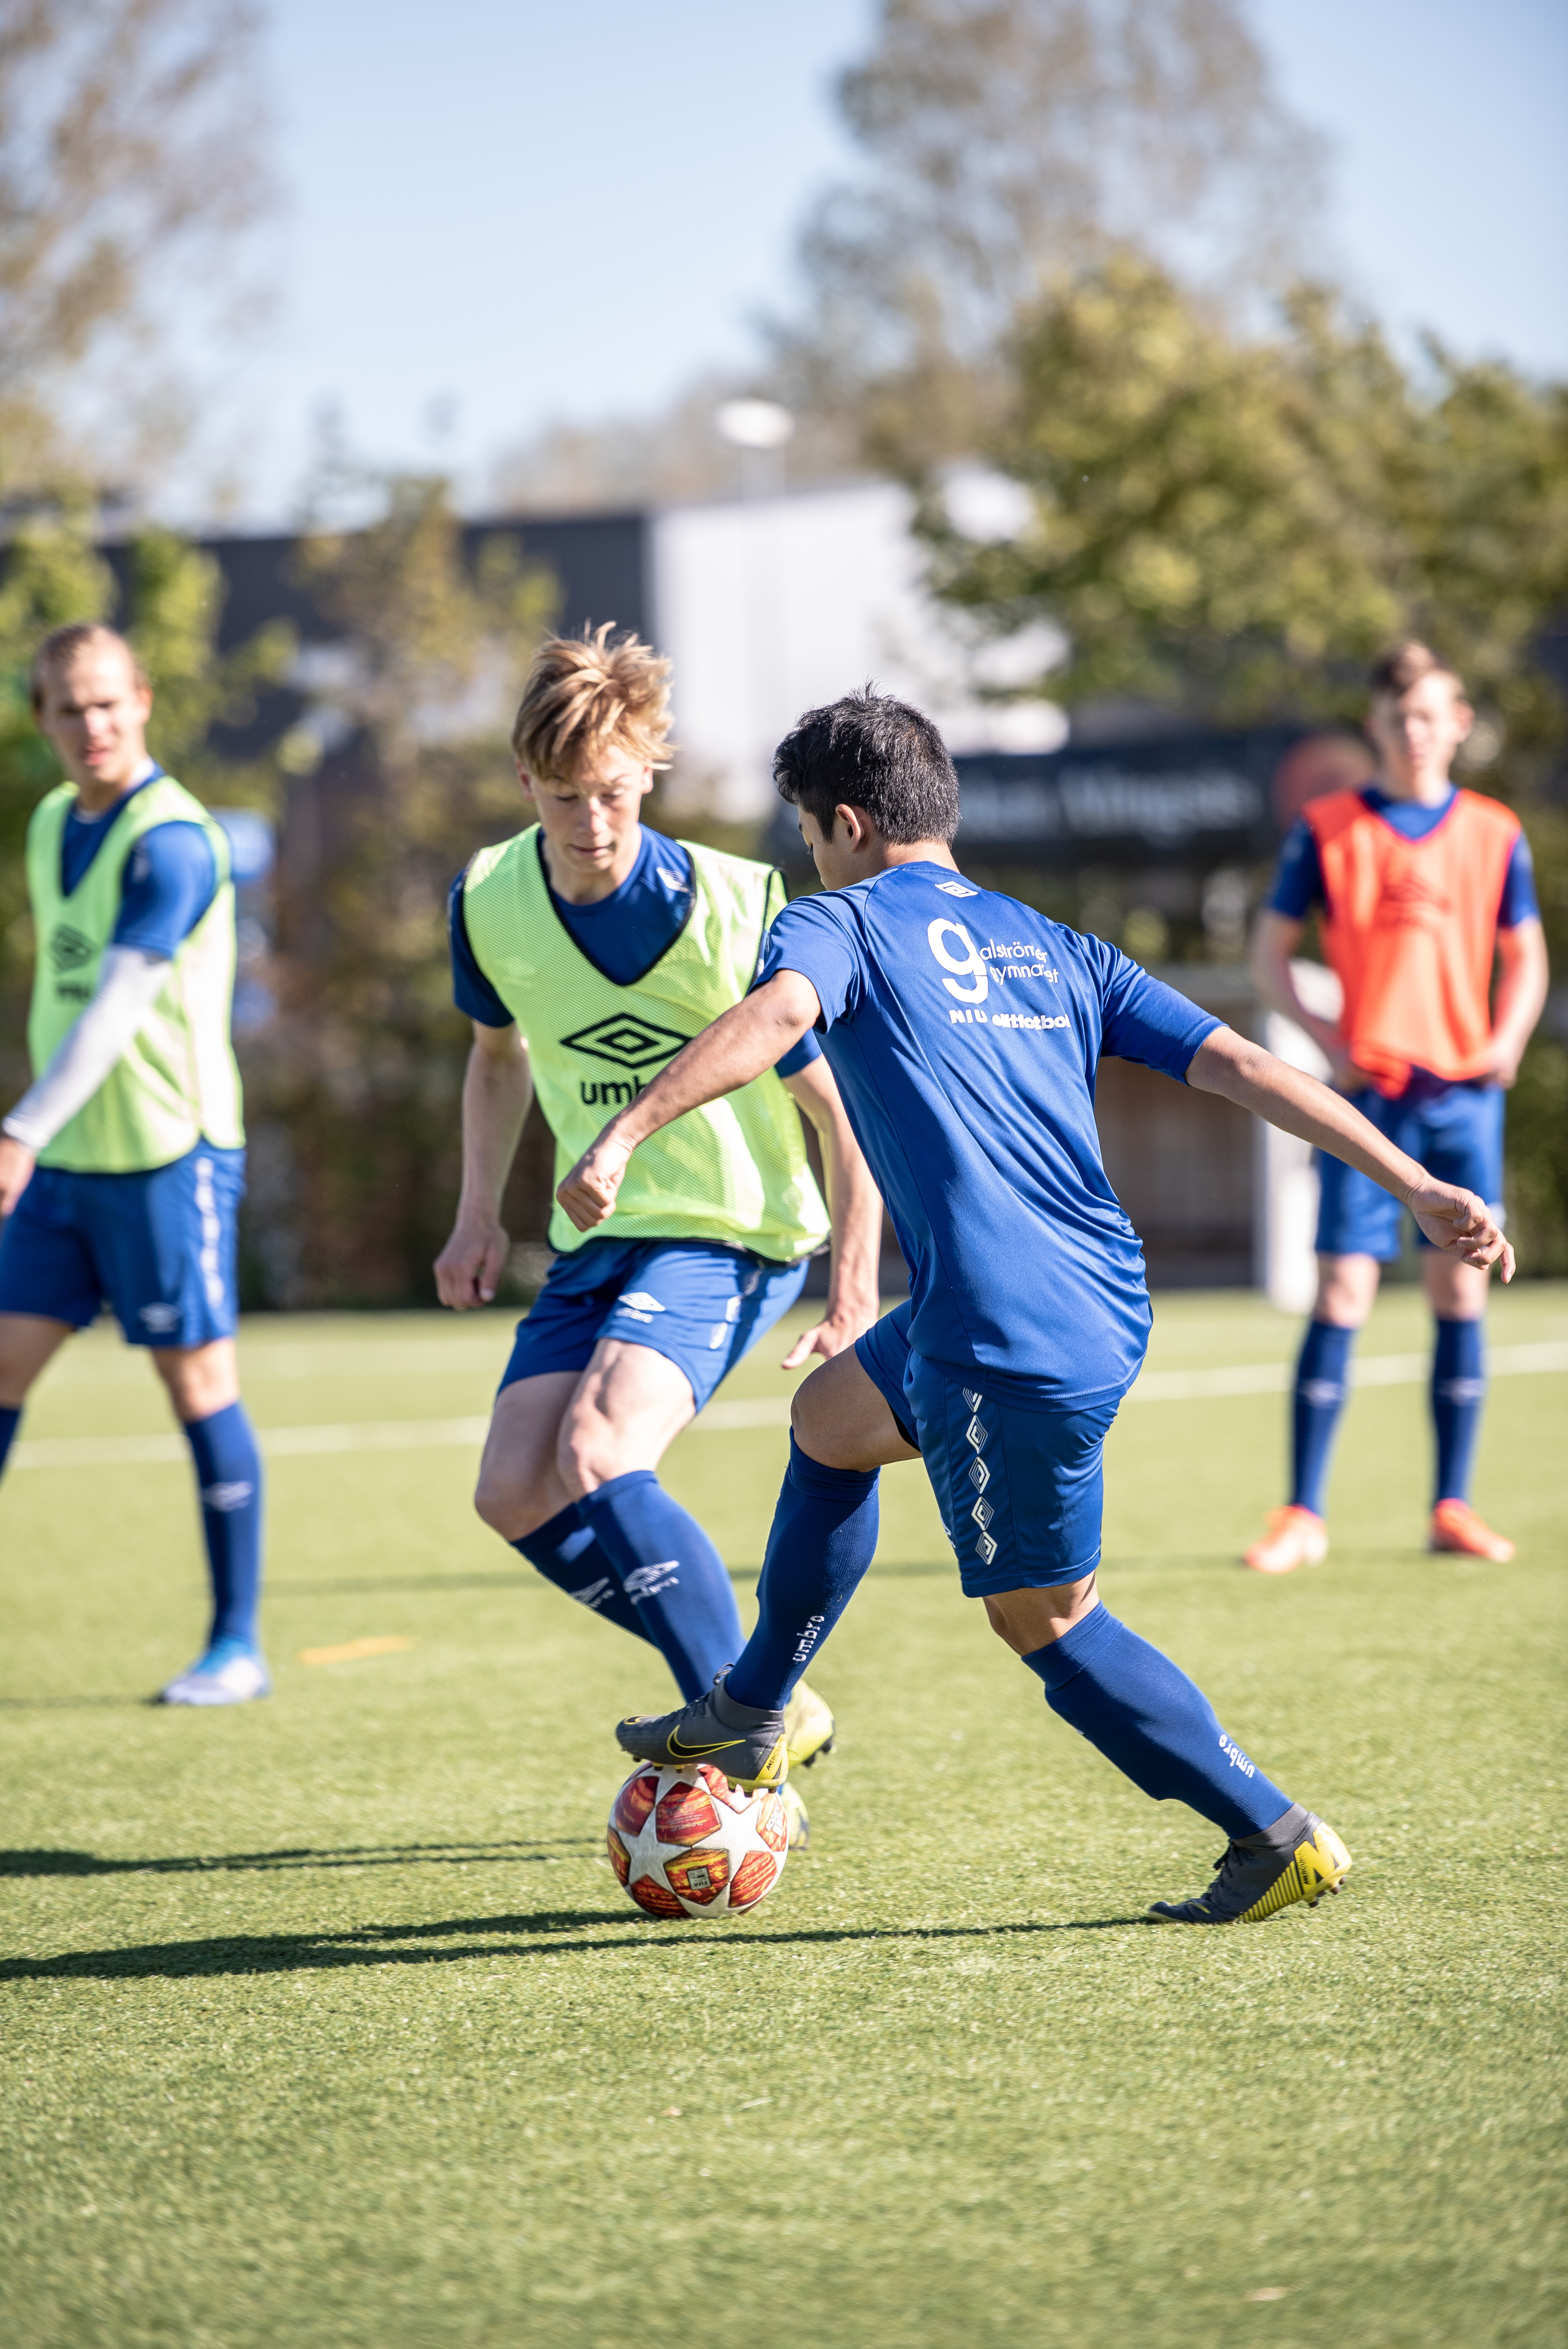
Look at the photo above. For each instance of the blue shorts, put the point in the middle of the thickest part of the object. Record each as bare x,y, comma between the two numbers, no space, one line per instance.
1454,1131
883,1354
700,1304
1020,1486
159,1248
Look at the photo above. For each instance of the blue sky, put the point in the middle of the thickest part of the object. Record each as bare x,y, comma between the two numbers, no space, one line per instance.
474,193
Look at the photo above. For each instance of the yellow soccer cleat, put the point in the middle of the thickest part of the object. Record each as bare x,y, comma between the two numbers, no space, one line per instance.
1250,1884
808,1727
1296,1537
796,1814
1457,1529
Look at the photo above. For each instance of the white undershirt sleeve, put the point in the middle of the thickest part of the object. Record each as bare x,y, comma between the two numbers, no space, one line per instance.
128,985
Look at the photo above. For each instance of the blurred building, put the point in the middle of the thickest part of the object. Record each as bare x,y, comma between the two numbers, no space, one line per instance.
1122,822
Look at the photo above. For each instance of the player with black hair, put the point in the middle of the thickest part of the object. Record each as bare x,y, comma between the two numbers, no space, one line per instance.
964,1030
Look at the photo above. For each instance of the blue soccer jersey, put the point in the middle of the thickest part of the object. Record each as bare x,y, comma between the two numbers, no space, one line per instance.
965,1030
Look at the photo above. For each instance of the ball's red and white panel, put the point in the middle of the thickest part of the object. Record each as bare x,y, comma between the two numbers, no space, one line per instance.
634,1801
699,1876
772,1826
685,1843
686,1814
734,1798
758,1874
656,1898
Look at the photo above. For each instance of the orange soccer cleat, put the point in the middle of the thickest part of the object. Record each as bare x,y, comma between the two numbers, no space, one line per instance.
1296,1537
1457,1529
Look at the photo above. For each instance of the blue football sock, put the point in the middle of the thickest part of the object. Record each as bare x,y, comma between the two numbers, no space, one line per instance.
1154,1723
9,1421
1322,1374
568,1555
824,1535
672,1574
1459,1392
228,1473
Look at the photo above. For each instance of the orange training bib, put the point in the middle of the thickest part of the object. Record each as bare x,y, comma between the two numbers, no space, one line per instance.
1410,926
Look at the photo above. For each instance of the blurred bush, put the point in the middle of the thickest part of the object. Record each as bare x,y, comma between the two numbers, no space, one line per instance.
351,1085
353,1090
1226,527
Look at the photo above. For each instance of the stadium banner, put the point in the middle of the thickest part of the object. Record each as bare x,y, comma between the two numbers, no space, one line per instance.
1203,798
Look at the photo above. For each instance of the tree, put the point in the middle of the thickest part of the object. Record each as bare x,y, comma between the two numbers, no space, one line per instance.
171,606
1006,138
129,161
1234,525
354,1089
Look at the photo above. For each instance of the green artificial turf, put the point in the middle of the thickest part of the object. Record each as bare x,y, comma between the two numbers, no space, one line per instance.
325,2023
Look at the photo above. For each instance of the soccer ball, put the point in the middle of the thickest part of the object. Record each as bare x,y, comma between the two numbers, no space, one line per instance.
685,1843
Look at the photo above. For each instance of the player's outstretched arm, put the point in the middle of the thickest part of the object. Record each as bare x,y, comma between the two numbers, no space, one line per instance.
1241,1071
741,1044
855,1205
497,1087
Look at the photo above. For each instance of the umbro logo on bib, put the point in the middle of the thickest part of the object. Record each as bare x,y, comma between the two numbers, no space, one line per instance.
626,1041
68,949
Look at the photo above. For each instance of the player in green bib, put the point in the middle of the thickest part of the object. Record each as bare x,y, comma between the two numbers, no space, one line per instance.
122,1167
586,950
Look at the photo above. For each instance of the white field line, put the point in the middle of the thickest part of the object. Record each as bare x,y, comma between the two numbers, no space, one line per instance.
1372,1370
277,1443
724,1418
102,1363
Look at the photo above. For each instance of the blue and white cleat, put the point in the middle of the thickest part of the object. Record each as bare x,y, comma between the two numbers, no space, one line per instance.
228,1673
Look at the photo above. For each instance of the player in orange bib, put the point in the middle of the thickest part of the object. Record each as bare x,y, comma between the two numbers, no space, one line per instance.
1421,892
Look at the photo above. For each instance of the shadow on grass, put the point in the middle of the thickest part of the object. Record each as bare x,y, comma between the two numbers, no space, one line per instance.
378,1945
66,1862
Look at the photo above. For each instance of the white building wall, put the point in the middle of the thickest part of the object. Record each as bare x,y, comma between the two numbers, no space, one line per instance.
772,605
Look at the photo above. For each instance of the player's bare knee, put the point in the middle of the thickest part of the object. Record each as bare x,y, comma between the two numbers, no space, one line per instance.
492,1503
199,1379
841,1420
1031,1617
589,1452
1347,1290
510,1504
27,1345
812,1421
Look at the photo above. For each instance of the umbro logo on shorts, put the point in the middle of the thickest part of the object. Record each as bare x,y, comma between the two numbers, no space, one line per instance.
626,1041
159,1317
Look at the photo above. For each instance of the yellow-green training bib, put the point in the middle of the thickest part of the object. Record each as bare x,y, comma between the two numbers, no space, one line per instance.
176,1083
735,1173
